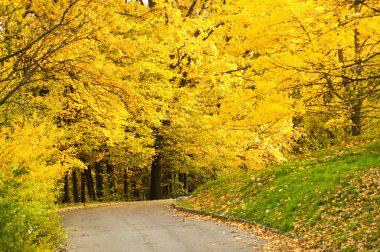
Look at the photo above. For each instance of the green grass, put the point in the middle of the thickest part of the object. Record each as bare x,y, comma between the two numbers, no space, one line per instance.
331,199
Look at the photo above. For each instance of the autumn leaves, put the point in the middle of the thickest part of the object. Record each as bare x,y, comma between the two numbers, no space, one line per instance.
200,87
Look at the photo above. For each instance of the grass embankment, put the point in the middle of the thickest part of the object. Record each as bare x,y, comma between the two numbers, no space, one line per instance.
329,200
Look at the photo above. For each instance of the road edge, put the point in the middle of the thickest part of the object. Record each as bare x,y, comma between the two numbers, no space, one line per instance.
221,217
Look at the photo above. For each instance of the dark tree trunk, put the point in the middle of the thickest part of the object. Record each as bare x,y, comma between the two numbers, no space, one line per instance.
173,178
145,182
356,119
99,181
182,177
83,187
155,180
111,179
75,186
66,198
185,184
356,113
90,184
136,190
125,183
156,169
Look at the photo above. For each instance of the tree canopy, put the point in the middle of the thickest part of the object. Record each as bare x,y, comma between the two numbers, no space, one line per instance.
130,100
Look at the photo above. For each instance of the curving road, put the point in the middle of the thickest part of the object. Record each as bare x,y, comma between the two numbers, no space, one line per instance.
150,226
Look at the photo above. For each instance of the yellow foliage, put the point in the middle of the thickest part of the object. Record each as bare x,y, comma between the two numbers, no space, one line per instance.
34,152
226,85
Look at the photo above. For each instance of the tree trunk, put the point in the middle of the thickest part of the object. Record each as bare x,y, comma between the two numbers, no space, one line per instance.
182,177
356,113
155,180
75,185
136,189
174,177
125,183
111,180
99,181
66,198
356,119
83,187
90,184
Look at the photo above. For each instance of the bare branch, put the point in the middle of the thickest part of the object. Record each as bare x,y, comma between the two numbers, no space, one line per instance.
191,9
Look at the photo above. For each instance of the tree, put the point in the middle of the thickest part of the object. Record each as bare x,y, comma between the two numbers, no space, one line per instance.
32,36
205,132
31,164
325,54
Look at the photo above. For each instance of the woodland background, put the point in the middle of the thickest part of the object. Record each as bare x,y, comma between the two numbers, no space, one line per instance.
109,100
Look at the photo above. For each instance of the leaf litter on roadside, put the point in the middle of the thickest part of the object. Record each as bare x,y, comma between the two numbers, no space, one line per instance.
273,240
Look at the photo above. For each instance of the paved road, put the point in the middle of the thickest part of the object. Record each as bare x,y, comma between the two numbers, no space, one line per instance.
150,226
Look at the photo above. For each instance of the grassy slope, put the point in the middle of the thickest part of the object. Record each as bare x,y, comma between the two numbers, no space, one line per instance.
330,200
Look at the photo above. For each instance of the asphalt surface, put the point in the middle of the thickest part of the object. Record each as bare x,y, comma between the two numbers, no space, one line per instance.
150,226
